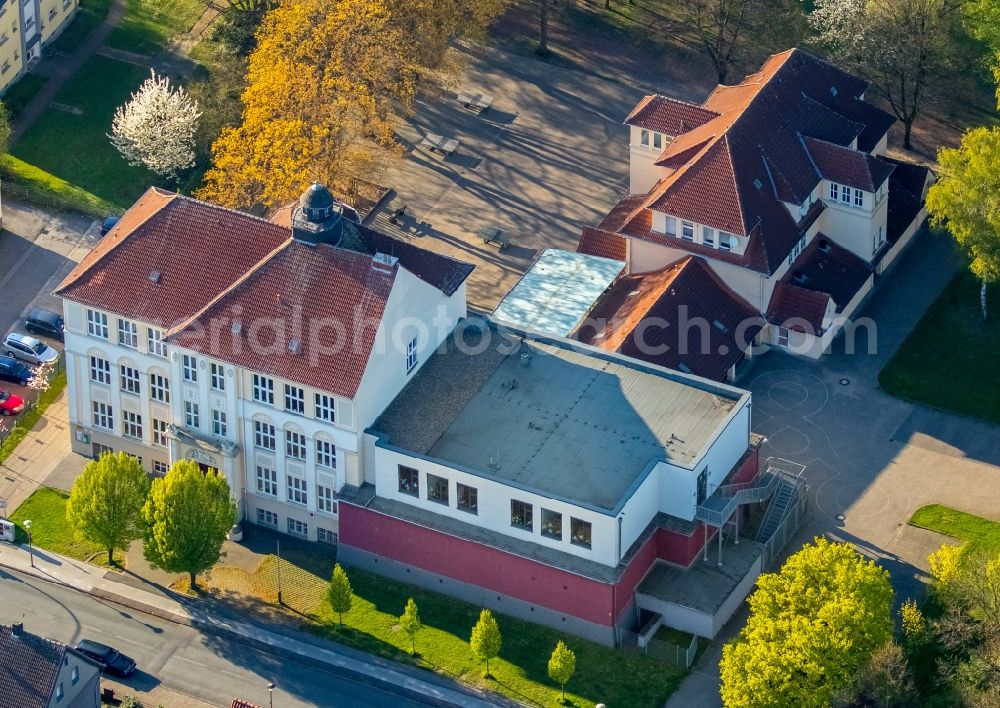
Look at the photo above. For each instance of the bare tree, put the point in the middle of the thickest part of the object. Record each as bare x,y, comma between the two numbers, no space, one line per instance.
718,28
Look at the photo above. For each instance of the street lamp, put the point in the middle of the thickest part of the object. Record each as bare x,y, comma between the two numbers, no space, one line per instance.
27,528
270,694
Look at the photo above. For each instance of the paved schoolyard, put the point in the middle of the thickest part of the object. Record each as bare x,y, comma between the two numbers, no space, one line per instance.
548,158
871,459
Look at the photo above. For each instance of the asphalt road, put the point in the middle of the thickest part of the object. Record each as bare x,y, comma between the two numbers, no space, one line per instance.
207,667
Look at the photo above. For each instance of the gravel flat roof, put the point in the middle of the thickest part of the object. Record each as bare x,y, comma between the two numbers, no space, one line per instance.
554,417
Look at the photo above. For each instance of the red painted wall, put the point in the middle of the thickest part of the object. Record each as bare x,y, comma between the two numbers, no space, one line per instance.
474,563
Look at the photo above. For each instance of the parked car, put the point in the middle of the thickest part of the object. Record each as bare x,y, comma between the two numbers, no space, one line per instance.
45,323
13,370
29,349
109,223
111,660
10,404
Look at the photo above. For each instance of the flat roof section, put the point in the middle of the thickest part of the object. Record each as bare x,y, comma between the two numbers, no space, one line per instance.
557,291
570,422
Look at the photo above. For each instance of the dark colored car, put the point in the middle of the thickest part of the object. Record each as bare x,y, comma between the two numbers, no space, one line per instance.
111,660
10,404
109,223
45,323
13,370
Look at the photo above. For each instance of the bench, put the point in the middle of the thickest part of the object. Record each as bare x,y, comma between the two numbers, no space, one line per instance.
494,236
440,144
475,102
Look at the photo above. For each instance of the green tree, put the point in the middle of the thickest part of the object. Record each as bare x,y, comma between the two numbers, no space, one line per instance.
187,515
105,505
562,666
339,592
409,621
966,200
485,640
811,627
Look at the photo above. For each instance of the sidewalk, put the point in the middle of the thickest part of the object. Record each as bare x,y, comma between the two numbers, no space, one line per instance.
207,617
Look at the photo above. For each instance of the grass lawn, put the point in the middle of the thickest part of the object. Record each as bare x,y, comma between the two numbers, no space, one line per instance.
948,361
976,533
26,421
605,675
50,530
75,148
20,94
149,24
88,17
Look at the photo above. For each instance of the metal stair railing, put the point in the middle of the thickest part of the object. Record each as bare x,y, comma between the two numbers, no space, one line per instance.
717,509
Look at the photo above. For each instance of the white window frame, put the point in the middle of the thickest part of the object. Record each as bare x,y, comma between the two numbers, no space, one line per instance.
326,407
411,355
671,226
100,370
266,517
217,376
295,445
219,426
644,137
159,388
657,141
326,536
782,337
159,428
192,415
298,528
128,334
845,195
189,368
725,241
154,342
326,454
97,324
326,499
131,379
264,436
263,389
295,399
160,467
687,231
834,191
267,481
859,199
103,415
708,236
131,425
296,490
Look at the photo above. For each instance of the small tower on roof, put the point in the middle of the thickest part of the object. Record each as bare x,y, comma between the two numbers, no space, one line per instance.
318,217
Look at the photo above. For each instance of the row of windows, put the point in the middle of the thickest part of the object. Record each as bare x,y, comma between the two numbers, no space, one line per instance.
709,237
265,437
657,139
521,512
295,398
128,333
296,489
296,527
842,193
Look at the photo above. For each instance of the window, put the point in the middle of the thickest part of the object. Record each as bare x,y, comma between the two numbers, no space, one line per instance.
75,675
877,240
411,354
326,536
295,445
671,226
263,435
298,528
159,432
160,468
295,400
796,250
579,532
263,389
132,425
437,489
834,191
468,498
97,324
725,241
409,481
297,493
687,231
128,334
324,499
782,336
100,370
192,417
154,342
859,198
644,138
267,518
190,364
521,515
59,692
326,454
325,407
218,376
99,450
103,416
845,195
219,423
658,141
267,481
130,379
708,236
552,524
159,388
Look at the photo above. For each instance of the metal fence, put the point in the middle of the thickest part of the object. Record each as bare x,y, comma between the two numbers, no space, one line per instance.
659,649
9,425
50,200
787,528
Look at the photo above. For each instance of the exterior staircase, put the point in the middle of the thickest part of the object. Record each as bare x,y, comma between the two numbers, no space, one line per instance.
786,492
780,482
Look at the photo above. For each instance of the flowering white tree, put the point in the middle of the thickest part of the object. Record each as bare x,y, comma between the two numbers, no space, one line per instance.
156,128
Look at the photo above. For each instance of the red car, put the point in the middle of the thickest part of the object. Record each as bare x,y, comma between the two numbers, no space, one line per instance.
10,404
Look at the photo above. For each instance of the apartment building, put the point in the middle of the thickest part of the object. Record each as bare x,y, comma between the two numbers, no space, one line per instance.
26,27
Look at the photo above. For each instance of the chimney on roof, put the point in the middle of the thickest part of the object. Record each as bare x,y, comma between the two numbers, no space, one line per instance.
318,217
384,263
17,629
824,245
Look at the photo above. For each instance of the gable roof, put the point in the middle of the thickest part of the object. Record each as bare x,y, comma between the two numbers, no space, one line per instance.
731,171
29,667
850,167
790,303
668,115
687,290
605,244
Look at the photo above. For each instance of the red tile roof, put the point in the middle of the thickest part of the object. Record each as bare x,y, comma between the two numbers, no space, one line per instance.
29,667
791,304
597,242
732,171
643,316
846,166
668,115
907,188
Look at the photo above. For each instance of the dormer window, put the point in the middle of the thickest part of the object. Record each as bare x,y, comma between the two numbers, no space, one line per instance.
708,236
658,141
644,138
859,198
687,231
726,241
834,191
671,226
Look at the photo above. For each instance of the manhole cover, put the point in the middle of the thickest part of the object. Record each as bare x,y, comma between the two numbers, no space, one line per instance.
844,382
840,517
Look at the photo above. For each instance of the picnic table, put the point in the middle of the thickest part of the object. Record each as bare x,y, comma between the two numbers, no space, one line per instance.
494,236
477,102
439,143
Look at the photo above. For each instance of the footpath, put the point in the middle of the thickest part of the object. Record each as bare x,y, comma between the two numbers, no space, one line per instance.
207,617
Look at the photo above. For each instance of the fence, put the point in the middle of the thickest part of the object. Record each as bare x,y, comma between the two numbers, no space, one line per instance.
51,200
660,649
30,402
787,528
